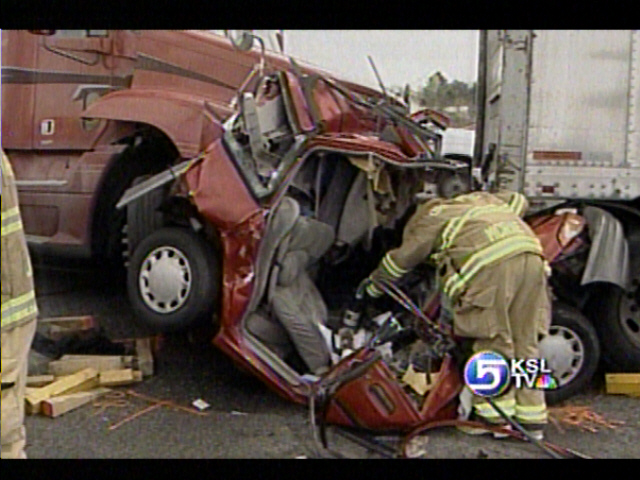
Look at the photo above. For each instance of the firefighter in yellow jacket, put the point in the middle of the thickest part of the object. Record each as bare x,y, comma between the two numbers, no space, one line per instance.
18,318
492,277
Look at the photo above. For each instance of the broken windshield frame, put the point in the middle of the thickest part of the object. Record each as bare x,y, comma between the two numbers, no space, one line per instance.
261,186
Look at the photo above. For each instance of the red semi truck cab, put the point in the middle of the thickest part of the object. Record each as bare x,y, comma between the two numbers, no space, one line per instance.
86,112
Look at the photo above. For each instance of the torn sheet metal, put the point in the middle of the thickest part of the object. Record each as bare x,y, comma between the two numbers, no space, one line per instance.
609,254
156,181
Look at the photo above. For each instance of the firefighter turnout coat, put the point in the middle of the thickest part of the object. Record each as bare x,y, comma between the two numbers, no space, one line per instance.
492,276
18,317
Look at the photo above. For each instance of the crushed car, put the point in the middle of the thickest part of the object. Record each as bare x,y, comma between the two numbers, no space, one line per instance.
268,232
270,229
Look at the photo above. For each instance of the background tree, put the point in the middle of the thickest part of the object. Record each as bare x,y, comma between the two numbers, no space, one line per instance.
439,93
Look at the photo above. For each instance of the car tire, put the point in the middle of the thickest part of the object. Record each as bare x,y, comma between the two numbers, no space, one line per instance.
173,279
618,324
572,351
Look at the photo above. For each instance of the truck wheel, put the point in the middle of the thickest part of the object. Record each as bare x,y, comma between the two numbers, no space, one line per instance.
143,217
173,279
572,352
617,318
109,223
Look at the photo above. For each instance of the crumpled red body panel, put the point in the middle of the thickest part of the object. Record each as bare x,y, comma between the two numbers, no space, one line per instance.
218,190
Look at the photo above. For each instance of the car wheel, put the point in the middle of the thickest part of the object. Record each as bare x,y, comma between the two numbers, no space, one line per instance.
173,279
617,319
572,351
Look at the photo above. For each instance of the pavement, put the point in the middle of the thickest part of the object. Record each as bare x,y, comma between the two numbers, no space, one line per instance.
245,419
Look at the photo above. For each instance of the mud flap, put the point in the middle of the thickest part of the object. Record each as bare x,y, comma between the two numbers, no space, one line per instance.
609,253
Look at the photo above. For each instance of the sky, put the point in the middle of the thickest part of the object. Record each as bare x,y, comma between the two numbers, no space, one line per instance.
401,56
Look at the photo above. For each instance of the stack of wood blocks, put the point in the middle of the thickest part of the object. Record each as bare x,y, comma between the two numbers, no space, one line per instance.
75,380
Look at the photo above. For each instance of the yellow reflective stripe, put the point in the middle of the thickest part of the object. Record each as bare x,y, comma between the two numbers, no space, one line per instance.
531,408
508,246
453,226
532,417
486,410
10,213
11,228
11,221
392,269
28,311
30,295
373,291
517,203
486,256
18,308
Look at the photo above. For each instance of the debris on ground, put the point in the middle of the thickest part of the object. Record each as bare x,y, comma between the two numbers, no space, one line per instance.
420,382
482,454
200,404
81,366
417,447
581,417
623,384
111,399
155,404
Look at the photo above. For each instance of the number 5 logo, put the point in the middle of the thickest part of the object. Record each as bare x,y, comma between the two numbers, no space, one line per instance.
487,374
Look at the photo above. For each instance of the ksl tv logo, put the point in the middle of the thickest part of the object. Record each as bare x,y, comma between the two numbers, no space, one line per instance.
489,374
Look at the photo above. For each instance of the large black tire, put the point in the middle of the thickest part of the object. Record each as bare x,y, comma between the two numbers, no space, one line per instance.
143,215
149,157
617,319
173,279
572,351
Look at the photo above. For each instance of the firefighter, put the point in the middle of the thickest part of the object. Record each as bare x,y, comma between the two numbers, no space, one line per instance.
493,281
19,312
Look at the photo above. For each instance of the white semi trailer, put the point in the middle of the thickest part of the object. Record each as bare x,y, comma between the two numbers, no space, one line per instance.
559,120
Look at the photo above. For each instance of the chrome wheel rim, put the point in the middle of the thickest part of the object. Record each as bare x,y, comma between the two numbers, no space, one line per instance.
165,280
564,352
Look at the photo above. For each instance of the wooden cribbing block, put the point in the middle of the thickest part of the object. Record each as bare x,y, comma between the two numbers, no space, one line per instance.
59,327
83,380
117,378
83,322
144,356
56,406
69,364
127,360
36,381
623,383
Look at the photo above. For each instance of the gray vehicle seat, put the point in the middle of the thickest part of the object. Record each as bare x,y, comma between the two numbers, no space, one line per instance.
294,302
